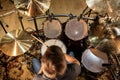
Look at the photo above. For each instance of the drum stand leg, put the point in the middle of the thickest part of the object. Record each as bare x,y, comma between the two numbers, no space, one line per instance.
35,23
20,19
3,27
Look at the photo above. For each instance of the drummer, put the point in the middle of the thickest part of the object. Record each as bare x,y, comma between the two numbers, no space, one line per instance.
53,65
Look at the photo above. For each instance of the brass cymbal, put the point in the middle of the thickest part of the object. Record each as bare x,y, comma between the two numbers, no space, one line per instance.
32,7
104,6
109,46
16,42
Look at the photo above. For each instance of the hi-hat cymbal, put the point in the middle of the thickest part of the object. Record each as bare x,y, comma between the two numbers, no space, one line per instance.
32,7
16,42
104,6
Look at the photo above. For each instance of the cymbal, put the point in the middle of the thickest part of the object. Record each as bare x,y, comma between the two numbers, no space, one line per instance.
109,46
32,7
104,6
16,42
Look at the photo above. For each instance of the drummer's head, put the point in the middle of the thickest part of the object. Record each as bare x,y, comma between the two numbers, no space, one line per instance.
53,62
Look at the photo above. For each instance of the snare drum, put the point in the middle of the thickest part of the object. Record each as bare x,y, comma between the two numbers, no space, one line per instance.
52,29
53,42
92,60
76,30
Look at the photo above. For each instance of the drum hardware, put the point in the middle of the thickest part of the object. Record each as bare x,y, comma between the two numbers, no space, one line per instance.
3,27
52,16
89,13
113,66
35,23
20,19
81,15
117,59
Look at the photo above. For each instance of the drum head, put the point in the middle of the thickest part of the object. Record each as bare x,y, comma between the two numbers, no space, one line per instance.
92,59
53,42
76,30
52,29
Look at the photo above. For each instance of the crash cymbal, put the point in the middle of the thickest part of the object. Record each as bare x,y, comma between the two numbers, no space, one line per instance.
32,7
16,42
104,6
109,46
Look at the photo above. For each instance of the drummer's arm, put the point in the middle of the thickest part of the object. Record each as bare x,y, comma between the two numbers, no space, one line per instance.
41,70
71,59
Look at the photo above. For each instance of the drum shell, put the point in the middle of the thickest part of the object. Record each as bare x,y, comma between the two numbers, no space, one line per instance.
93,61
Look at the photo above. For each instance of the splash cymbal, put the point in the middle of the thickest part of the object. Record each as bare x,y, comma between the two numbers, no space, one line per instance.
104,6
32,7
16,42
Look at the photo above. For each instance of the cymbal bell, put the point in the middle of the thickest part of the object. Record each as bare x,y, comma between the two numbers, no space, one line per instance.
32,7
16,42
104,6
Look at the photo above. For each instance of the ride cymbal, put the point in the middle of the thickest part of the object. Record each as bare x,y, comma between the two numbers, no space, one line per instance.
16,42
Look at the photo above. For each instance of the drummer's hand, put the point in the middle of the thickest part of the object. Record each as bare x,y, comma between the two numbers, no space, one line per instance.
71,59
41,70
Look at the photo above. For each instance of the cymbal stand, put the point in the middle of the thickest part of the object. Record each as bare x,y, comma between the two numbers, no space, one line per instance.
20,19
115,73
35,23
3,27
81,15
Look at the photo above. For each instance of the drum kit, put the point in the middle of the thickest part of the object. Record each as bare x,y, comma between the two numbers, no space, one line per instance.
94,59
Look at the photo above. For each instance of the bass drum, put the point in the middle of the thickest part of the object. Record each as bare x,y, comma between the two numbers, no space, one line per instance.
92,60
53,42
52,28
76,30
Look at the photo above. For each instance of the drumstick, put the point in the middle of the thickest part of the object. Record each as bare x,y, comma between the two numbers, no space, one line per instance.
39,40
